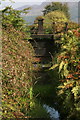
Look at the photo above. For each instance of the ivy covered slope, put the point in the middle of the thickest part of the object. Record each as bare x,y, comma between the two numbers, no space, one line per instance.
17,72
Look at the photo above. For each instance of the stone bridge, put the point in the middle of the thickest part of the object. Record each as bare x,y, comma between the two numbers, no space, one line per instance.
43,44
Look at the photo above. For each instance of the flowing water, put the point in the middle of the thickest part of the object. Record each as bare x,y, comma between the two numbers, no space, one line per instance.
54,114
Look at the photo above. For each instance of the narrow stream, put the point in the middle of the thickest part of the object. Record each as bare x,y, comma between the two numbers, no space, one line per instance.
54,114
47,103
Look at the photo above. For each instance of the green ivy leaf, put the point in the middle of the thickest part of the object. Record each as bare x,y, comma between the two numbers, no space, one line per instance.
53,67
66,72
61,66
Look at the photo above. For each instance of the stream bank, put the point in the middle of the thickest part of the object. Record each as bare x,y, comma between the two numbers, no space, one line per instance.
45,95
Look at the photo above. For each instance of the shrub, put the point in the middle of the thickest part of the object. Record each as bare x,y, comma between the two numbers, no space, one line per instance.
68,61
16,74
54,16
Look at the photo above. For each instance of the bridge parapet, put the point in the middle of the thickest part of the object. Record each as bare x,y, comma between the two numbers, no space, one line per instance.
43,44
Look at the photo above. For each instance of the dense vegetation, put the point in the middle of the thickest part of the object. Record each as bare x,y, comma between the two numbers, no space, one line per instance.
21,90
57,6
68,60
53,17
17,66
50,20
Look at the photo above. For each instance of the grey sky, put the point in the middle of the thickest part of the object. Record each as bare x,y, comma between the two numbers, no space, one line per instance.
19,3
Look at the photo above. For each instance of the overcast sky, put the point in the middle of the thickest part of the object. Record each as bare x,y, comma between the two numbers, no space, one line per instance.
19,3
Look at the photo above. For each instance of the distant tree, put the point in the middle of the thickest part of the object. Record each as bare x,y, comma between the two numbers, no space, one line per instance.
54,16
57,6
50,18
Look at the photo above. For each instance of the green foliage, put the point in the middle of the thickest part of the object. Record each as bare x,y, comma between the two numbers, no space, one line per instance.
68,60
57,6
17,73
53,17
52,21
53,67
72,25
12,17
17,65
56,16
43,91
38,111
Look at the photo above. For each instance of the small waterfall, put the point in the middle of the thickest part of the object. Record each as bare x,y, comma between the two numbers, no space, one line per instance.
54,115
